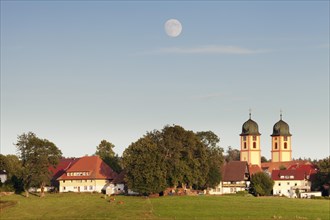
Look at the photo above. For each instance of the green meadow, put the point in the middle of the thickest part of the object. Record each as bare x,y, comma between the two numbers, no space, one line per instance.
95,206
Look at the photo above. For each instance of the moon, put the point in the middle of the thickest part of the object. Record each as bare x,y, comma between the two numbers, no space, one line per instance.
173,27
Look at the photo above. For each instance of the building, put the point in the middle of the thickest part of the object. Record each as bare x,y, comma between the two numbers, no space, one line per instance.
281,142
88,174
57,171
250,143
236,177
288,182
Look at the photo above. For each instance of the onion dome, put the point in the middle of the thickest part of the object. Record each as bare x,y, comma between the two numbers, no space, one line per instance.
281,128
250,127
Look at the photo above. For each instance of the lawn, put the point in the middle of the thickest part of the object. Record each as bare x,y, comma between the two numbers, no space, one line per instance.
95,206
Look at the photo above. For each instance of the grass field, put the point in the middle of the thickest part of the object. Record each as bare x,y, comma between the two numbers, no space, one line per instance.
95,206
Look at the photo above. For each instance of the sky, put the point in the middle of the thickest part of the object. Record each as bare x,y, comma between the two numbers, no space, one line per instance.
78,72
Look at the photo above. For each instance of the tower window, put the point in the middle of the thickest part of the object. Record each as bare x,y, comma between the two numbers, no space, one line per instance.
254,138
285,145
275,145
244,145
244,138
285,138
254,144
276,139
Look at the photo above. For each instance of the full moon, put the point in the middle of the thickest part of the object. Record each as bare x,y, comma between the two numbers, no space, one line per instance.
173,28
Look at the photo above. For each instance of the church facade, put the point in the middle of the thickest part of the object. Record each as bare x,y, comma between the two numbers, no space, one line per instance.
250,150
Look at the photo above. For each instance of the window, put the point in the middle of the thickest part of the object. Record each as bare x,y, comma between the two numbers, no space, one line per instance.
295,184
254,138
285,145
279,191
85,180
63,181
64,188
244,138
254,145
288,183
244,145
275,146
279,184
85,187
285,138
90,187
276,139
288,191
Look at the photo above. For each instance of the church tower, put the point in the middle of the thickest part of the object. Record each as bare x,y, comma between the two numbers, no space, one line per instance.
281,142
250,143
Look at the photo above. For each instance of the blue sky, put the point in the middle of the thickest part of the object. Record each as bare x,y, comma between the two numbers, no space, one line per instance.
78,72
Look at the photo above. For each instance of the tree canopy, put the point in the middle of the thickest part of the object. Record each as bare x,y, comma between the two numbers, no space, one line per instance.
261,184
106,153
232,154
36,156
172,157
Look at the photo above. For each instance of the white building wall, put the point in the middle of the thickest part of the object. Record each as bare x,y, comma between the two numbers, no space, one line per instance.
288,187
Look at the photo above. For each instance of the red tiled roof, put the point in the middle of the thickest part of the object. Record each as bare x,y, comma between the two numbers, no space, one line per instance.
288,175
254,169
307,168
61,167
276,165
94,165
235,171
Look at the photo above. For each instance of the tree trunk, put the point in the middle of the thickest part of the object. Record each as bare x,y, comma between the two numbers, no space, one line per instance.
42,189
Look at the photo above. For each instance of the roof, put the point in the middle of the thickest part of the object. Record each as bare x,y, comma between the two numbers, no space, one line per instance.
235,171
307,168
287,175
93,165
62,166
120,178
254,169
276,165
250,127
281,128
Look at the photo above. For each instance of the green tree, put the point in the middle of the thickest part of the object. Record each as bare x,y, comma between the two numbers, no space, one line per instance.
107,154
321,180
232,154
13,167
177,156
263,159
144,167
214,155
185,158
261,184
36,156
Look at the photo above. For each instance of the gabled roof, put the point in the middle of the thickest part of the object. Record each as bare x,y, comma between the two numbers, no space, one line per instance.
61,167
120,178
235,171
93,165
287,175
254,169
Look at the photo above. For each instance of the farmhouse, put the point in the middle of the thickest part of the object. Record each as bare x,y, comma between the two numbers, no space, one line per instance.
236,177
288,182
88,174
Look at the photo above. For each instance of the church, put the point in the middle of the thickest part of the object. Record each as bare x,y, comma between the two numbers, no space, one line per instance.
280,143
288,175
